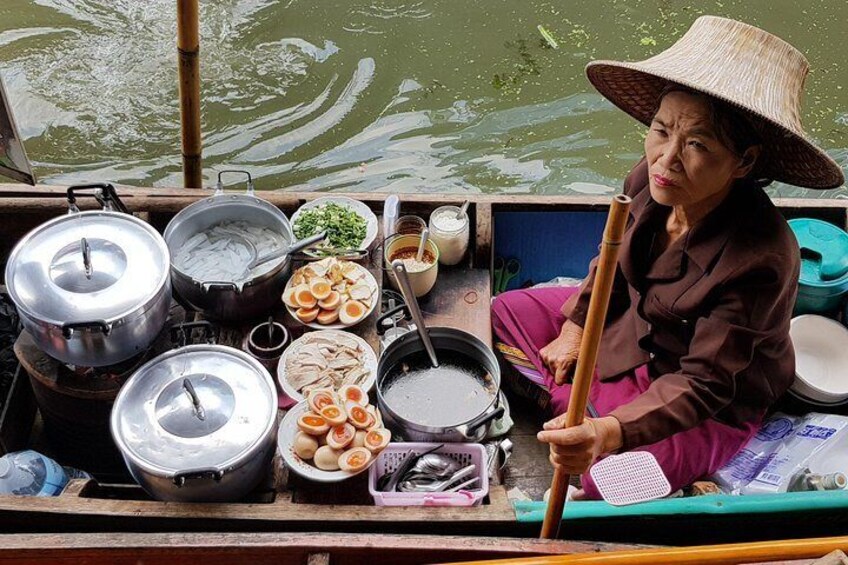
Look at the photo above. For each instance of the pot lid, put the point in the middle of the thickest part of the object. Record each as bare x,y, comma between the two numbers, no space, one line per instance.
87,266
199,407
824,251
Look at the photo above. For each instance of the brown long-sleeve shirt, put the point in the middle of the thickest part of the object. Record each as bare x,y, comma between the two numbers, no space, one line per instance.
710,314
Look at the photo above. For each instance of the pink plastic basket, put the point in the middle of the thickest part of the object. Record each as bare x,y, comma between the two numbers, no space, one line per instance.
462,453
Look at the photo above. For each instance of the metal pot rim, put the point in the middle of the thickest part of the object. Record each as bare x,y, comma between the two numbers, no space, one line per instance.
140,308
435,332
224,199
244,456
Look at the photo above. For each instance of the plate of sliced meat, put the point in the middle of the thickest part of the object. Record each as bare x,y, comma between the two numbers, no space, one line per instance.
326,359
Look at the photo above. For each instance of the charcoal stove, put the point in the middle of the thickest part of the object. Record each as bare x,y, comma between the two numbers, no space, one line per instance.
75,404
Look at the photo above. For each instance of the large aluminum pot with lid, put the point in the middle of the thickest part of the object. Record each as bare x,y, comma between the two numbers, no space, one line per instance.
92,288
230,254
196,424
437,384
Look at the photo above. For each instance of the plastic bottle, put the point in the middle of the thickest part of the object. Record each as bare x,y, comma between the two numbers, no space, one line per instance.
807,480
390,214
31,473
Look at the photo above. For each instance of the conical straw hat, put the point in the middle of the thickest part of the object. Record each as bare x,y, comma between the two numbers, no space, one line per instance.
745,66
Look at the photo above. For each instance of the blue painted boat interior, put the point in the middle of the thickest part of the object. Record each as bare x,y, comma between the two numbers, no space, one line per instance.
548,244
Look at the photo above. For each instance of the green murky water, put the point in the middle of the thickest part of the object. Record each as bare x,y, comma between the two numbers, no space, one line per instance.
333,95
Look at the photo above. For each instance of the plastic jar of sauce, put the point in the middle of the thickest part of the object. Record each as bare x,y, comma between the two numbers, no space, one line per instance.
449,233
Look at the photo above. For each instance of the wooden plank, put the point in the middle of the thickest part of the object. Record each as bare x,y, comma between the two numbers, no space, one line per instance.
318,559
45,197
262,548
461,299
484,234
282,514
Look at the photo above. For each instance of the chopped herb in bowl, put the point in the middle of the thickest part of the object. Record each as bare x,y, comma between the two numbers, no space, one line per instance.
345,228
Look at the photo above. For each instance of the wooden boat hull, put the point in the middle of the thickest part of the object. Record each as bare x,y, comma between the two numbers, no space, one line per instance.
310,548
463,301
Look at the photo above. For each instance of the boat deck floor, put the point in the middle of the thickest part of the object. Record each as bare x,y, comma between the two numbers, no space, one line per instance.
287,502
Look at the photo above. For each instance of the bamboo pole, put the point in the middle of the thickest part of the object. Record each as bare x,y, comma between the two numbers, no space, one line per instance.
188,45
588,355
725,554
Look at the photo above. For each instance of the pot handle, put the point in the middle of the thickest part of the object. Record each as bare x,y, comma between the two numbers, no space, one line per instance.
69,328
104,193
219,186
211,473
181,333
209,286
483,419
381,329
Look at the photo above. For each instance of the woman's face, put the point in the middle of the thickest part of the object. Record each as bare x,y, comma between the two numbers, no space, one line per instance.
688,165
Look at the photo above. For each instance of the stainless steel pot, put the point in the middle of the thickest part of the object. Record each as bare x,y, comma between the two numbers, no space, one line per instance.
444,339
433,342
230,300
196,424
93,288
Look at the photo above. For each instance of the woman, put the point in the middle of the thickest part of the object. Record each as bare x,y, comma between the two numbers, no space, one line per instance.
696,342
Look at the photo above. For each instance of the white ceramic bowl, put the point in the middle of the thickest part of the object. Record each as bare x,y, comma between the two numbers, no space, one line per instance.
821,359
361,209
285,440
369,361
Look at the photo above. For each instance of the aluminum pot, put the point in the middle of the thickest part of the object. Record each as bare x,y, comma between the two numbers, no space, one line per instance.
92,288
196,424
230,300
444,340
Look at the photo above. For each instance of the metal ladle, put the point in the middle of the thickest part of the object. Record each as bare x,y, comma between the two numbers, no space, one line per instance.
299,245
409,297
436,465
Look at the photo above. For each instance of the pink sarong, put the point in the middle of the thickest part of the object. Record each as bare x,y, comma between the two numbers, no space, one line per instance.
530,319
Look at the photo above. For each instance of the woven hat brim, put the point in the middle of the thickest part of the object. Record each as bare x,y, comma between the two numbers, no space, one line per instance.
787,156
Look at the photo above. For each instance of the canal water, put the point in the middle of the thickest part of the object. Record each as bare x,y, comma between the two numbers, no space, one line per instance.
334,95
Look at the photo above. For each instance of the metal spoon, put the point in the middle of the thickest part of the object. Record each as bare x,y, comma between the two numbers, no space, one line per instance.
409,297
436,465
461,486
436,486
425,234
389,481
463,210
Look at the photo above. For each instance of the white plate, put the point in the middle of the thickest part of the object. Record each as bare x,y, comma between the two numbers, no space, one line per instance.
375,298
361,209
370,363
285,440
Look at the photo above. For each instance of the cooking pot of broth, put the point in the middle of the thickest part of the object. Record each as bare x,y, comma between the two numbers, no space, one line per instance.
453,402
437,384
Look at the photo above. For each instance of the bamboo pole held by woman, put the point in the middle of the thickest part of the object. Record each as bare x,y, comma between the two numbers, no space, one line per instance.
598,304
188,45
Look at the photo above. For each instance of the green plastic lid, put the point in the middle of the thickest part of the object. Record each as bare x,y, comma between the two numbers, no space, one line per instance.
824,251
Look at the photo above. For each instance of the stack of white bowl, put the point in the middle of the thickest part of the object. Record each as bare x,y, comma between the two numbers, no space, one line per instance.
821,360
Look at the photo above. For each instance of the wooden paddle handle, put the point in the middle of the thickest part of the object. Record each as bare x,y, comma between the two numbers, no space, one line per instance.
597,314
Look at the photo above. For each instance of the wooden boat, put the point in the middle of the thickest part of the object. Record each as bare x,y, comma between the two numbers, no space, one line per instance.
553,235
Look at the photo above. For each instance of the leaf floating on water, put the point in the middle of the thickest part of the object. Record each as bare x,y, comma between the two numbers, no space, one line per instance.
547,36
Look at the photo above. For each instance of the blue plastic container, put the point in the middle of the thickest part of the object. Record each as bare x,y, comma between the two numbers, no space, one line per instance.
824,265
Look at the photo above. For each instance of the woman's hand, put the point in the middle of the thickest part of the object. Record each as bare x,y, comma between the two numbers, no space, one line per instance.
575,449
560,355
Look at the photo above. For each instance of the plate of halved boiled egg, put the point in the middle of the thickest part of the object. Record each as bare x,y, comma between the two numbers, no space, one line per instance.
331,294
332,436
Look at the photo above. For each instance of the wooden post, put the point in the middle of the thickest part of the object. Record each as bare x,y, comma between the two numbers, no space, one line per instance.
604,276
188,45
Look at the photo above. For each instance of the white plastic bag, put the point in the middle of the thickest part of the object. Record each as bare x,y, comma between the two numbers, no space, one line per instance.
782,448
